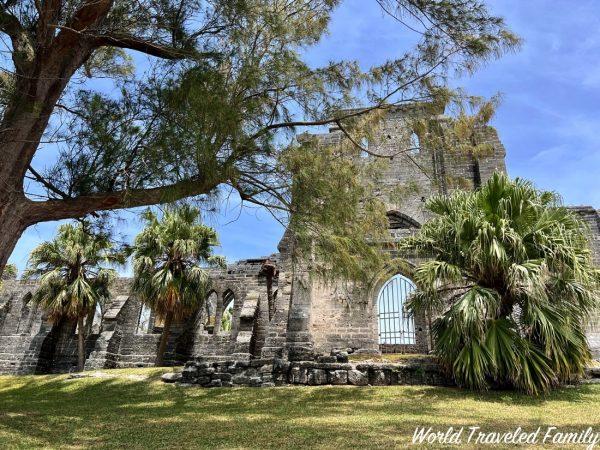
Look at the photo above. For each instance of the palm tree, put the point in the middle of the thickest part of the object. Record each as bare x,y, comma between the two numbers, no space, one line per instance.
513,279
73,274
169,259
10,271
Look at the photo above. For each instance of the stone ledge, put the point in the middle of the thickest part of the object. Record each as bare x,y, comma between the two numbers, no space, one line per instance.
267,372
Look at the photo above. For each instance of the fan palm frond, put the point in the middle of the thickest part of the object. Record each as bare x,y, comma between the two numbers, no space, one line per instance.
514,281
170,259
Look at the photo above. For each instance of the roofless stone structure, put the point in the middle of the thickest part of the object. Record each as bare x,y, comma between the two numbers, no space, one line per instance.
278,312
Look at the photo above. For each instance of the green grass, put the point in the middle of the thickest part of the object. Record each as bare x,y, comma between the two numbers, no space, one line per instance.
133,409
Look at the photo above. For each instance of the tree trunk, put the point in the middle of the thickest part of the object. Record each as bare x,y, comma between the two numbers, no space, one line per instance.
46,56
164,339
12,225
80,344
429,324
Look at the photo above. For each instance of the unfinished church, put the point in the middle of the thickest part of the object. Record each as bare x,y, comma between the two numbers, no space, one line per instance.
273,311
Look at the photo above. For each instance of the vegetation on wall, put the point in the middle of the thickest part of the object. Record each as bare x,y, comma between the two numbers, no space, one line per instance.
513,280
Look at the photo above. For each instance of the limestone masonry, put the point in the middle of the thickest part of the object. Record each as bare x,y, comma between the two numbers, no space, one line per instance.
282,319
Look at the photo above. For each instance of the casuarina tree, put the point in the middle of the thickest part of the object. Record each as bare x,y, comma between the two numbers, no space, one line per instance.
146,102
170,259
512,276
74,276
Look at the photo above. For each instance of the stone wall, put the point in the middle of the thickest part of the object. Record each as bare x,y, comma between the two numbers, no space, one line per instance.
29,343
328,370
339,316
591,217
279,311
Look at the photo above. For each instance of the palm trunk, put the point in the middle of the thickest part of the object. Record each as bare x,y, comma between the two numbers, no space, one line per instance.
80,344
431,343
164,339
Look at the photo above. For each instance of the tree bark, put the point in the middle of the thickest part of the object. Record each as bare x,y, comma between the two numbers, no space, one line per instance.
12,225
80,344
164,339
45,61
17,212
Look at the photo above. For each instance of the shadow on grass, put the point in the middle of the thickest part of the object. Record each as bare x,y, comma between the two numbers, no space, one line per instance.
117,412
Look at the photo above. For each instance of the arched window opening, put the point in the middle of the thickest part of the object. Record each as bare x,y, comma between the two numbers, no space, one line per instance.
97,320
415,144
210,311
24,323
401,221
27,298
227,316
144,320
396,324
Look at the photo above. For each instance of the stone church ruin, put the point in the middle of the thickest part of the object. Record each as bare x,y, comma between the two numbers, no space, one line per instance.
279,315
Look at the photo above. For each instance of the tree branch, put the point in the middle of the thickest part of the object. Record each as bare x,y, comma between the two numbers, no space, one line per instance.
40,179
148,47
23,51
80,206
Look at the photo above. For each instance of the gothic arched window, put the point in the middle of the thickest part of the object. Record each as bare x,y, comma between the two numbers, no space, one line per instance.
144,320
415,144
396,324
227,316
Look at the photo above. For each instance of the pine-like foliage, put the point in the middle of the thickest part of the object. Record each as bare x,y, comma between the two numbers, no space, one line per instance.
218,108
513,279
170,258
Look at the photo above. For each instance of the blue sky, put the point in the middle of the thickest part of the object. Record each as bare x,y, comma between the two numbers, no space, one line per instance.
549,120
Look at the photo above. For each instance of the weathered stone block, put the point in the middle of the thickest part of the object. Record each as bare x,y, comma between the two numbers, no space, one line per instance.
298,375
260,362
255,381
267,377
317,377
592,372
380,378
202,380
280,365
338,377
301,354
342,357
280,378
357,378
241,379
190,370
215,383
326,359
222,376
267,368
241,364
171,377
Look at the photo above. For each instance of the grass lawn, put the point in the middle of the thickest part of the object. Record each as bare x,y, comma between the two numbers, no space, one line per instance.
133,409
